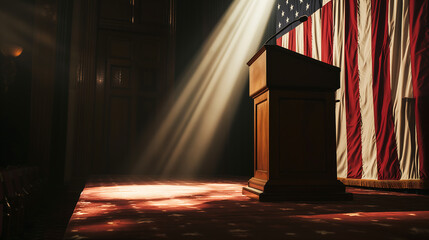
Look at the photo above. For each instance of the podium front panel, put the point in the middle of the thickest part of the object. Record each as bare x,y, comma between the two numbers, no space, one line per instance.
261,130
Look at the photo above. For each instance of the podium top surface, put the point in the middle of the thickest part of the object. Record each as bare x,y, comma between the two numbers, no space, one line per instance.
289,52
276,67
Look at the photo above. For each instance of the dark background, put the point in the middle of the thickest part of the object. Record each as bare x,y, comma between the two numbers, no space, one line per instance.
48,116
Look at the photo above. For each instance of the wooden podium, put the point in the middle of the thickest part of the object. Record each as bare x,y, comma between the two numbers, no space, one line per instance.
294,127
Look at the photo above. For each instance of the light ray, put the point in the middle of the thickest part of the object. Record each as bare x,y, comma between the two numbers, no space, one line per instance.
191,132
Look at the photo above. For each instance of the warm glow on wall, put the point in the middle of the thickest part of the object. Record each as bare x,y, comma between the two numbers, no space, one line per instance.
11,50
194,128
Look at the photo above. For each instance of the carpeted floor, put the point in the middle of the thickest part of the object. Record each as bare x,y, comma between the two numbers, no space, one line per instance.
132,208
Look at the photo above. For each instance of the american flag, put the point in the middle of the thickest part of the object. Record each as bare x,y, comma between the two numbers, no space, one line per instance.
290,10
382,48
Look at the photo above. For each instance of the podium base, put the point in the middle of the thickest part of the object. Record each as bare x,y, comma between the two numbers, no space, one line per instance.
286,195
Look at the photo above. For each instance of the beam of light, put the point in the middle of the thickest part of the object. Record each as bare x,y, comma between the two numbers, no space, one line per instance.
192,131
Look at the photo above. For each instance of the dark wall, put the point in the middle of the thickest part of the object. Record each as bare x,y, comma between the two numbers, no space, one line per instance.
60,96
15,111
16,27
34,108
32,115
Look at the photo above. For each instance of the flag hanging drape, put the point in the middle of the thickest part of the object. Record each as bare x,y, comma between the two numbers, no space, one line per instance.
382,48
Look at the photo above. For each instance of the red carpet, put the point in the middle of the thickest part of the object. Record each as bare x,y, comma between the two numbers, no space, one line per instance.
129,208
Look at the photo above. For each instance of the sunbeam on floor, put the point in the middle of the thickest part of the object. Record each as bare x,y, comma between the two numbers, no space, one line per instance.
131,207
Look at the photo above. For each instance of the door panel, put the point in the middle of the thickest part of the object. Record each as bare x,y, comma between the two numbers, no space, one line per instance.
118,131
131,80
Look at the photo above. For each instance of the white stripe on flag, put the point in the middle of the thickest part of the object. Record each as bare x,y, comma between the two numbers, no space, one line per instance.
401,87
316,33
325,2
340,110
285,40
369,143
300,38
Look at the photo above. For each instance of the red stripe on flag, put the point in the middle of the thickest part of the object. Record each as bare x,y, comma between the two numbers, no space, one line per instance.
327,33
279,41
307,38
292,40
351,89
419,43
387,155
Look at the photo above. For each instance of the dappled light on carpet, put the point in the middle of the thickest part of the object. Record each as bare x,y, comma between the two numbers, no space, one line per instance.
161,195
136,208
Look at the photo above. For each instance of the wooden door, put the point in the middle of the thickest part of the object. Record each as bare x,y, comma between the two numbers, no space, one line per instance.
133,75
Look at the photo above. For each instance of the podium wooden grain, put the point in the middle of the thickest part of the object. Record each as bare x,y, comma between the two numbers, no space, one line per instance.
294,127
